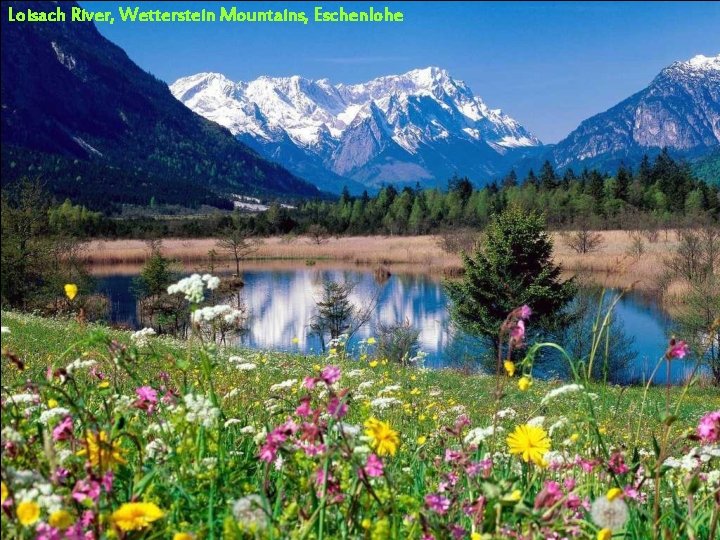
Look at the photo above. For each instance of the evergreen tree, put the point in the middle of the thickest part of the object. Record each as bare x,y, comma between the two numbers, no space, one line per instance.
548,178
645,175
510,179
622,183
513,266
531,179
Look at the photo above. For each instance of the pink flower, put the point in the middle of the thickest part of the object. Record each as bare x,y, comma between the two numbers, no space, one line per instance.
373,466
617,464
309,382
337,408
709,428
517,333
147,399
452,455
64,430
549,495
86,489
677,349
107,481
330,374
304,409
46,532
437,503
524,312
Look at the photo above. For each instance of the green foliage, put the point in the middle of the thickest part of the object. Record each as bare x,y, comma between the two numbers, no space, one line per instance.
511,267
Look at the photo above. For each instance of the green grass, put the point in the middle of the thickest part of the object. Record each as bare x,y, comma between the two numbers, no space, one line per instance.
206,469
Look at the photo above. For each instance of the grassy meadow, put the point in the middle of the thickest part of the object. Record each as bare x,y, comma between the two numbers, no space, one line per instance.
108,434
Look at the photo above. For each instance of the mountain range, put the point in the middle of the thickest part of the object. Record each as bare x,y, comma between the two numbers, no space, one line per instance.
79,114
421,126
424,126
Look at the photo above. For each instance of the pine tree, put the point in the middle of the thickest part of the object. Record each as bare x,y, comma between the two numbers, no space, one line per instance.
622,184
510,180
645,172
513,266
548,178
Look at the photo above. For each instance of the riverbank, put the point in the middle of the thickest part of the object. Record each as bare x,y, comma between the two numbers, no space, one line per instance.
611,265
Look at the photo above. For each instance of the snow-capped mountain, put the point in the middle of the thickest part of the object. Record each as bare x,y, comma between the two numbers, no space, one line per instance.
420,126
680,109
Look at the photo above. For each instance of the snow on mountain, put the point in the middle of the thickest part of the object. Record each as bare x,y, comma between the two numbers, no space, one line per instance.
419,126
679,109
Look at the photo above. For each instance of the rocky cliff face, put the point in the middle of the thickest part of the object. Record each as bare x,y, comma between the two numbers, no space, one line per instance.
680,109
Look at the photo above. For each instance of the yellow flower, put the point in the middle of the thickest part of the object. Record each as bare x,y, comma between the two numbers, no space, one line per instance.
524,383
476,536
515,496
294,340
366,523
104,384
383,439
182,536
71,290
136,516
371,341
422,417
52,403
531,442
374,363
613,494
61,519
509,367
422,439
100,452
574,437
333,351
5,492
602,430
28,512
604,534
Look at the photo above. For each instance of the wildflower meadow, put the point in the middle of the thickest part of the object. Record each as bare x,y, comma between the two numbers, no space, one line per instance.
110,434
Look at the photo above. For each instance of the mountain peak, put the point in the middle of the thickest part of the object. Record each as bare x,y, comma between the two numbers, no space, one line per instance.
703,62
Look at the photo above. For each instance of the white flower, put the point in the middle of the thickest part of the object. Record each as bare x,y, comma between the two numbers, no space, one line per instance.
355,373
348,429
232,393
507,413
713,478
557,425
249,512
365,385
389,389
212,314
538,421
552,394
279,461
384,403
477,435
553,457
4,330
211,282
156,448
248,430
362,450
609,514
55,412
246,366
10,435
140,338
284,385
259,437
232,421
20,399
192,287
200,410
79,364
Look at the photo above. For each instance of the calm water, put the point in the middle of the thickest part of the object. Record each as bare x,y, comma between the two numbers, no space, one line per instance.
282,304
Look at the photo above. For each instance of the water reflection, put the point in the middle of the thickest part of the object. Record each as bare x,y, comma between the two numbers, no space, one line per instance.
282,305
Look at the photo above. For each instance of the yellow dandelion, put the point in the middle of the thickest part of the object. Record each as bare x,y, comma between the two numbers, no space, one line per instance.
71,290
530,442
604,534
104,384
52,403
524,383
515,496
61,519
5,492
373,364
371,341
182,536
295,340
100,452
136,516
574,437
28,512
422,439
613,494
383,439
509,367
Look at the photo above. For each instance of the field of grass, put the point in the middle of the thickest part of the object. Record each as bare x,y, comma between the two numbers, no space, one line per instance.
106,435
609,266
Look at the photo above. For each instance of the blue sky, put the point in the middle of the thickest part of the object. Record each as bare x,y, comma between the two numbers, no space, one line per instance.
550,65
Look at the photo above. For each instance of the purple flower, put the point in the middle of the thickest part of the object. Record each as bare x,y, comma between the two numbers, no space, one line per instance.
46,532
64,430
85,489
330,374
709,428
373,466
147,393
452,455
309,382
517,333
337,408
617,464
304,409
437,503
524,312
